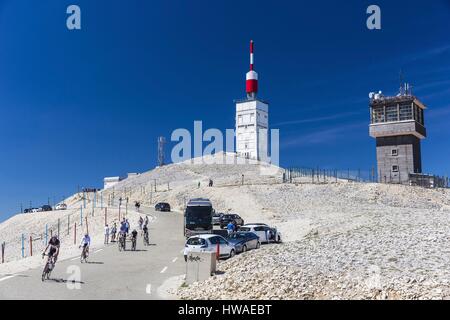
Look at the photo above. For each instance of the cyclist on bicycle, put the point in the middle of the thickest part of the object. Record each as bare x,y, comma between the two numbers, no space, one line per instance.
85,243
134,234
53,246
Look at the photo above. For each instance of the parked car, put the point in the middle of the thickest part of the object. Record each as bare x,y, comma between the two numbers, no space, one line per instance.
61,206
230,217
27,210
244,241
263,231
208,243
34,210
162,206
216,218
46,207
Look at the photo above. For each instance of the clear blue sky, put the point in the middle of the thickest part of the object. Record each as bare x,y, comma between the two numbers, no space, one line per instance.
80,105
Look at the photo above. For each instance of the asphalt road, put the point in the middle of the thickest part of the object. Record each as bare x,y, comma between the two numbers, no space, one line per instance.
110,274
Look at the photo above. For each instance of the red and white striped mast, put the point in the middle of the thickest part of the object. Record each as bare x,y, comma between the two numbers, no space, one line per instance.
251,85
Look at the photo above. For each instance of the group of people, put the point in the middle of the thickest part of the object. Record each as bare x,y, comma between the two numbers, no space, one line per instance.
53,247
54,244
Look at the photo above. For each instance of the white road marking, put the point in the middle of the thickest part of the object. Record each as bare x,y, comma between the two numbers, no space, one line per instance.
148,289
174,259
98,250
163,270
6,278
74,258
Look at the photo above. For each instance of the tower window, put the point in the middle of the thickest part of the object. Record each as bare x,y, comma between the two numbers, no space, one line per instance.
394,152
391,113
394,168
406,112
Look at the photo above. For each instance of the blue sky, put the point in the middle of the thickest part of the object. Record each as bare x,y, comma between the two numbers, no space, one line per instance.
80,105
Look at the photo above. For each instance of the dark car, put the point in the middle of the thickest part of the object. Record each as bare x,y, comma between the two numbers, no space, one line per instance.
46,207
230,217
27,211
162,206
216,218
244,241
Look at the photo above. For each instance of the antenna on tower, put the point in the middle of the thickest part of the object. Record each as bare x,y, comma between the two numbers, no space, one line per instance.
161,143
402,85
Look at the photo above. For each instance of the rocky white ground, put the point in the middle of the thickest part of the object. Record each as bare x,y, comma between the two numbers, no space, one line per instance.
341,239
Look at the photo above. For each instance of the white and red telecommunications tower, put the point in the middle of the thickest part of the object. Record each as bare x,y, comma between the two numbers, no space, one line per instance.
252,119
251,83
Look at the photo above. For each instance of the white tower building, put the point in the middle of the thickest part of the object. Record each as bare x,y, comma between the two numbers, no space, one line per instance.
252,120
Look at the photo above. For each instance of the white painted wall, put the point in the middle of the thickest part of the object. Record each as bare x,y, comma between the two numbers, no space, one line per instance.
252,123
108,182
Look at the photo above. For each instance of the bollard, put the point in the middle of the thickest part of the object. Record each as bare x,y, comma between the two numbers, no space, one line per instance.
31,246
75,234
3,252
218,252
23,248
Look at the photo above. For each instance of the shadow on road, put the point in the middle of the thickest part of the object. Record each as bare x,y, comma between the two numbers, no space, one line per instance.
65,281
95,262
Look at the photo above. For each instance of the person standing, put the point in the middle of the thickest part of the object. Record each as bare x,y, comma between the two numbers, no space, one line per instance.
106,234
230,227
113,232
127,226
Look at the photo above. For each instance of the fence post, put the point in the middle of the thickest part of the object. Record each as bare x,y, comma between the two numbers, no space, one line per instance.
31,246
3,252
23,245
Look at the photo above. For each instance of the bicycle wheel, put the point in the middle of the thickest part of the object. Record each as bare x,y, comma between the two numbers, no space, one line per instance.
45,272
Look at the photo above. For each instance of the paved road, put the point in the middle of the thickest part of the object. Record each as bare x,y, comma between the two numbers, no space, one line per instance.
110,274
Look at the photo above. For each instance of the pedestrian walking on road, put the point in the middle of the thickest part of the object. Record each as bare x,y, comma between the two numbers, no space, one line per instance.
106,234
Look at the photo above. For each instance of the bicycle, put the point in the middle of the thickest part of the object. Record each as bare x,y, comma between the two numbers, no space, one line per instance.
146,240
48,268
84,255
122,242
133,244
